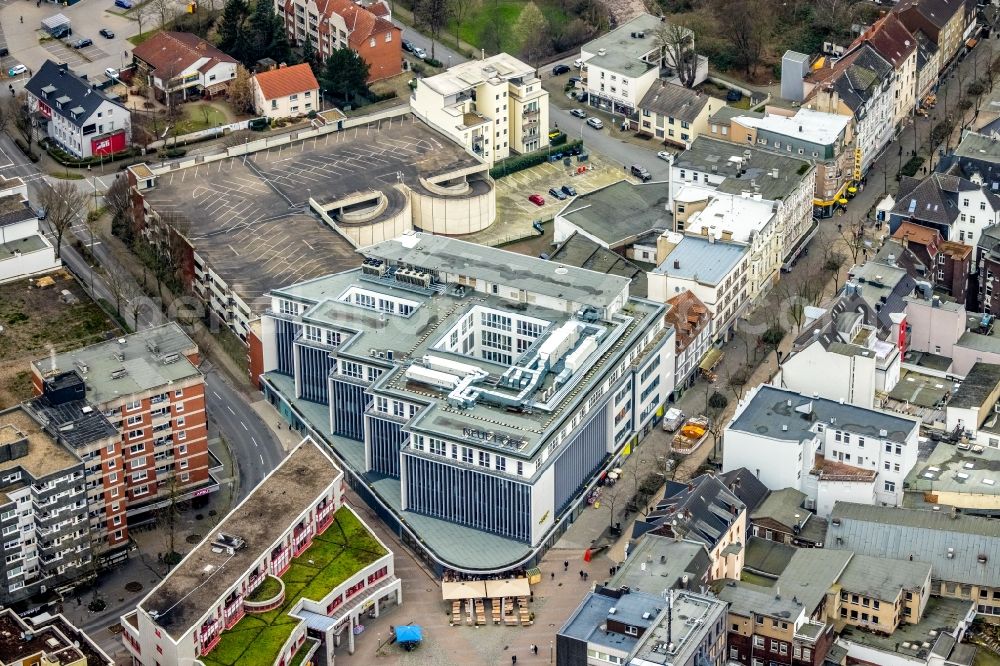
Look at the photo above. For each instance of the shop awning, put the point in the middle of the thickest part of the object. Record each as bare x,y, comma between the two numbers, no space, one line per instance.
466,589
511,587
711,359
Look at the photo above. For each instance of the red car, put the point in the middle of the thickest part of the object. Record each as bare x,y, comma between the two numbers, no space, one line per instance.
537,199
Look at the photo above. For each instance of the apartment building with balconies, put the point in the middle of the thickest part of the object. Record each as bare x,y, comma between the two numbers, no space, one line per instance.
492,107
292,569
149,389
43,510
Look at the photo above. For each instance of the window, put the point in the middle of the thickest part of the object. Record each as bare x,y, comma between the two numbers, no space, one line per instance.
484,459
758,641
132,406
467,455
631,631
135,434
890,486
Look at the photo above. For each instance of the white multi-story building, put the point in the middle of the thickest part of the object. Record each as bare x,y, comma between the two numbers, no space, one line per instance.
485,390
620,67
491,107
829,450
292,544
24,249
891,40
713,270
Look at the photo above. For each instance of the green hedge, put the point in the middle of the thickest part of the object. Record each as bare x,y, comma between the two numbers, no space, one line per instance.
521,162
68,160
559,140
911,166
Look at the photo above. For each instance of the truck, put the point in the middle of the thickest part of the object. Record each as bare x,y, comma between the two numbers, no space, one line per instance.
691,435
673,419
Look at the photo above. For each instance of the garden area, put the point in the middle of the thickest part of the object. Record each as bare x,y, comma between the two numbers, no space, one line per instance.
200,116
343,549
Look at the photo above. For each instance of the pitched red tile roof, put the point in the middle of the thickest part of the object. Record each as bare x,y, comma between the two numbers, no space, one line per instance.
361,23
379,8
173,52
890,38
286,81
689,317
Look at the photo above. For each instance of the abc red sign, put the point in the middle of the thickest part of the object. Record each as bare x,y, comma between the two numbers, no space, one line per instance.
106,145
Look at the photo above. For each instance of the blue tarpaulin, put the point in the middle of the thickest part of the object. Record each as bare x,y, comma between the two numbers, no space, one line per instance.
410,633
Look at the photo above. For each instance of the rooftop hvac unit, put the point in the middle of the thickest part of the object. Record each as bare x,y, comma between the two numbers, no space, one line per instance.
173,357
119,373
82,366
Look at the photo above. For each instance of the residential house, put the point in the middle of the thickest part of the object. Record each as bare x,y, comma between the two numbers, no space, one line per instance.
294,526
946,23
839,356
624,217
729,168
148,387
891,40
706,511
782,517
43,510
963,551
286,92
179,66
946,264
987,265
861,85
946,340
491,107
580,251
81,118
928,64
339,24
826,449
958,208
692,324
47,639
977,158
620,626
654,563
620,67
747,487
714,271
24,249
825,139
972,407
675,114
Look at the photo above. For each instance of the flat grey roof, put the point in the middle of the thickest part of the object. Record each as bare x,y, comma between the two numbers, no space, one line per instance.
449,255
45,456
745,599
77,428
706,153
768,410
151,358
949,469
620,212
623,52
686,638
942,615
783,506
586,621
881,578
811,573
203,576
925,535
977,386
978,147
767,557
667,561
702,260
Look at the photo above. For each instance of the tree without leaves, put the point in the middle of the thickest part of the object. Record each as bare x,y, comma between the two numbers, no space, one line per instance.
433,15
118,199
832,264
21,117
117,280
345,76
241,91
8,110
750,25
833,16
135,298
62,203
738,380
460,10
164,11
141,13
677,43
853,234
532,32
494,29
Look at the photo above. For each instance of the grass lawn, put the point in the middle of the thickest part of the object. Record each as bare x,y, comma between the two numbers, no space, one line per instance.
142,36
195,118
476,25
986,657
346,547
754,579
268,590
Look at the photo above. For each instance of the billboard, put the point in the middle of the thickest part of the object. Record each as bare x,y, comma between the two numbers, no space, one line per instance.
108,143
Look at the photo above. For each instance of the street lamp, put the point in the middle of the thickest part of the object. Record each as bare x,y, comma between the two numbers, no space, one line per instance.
321,100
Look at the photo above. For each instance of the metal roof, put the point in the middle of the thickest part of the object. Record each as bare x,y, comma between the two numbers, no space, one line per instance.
622,211
882,578
699,259
960,548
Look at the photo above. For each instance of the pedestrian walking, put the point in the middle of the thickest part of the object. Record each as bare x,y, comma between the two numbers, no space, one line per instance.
586,576
581,574
22,19
553,575
565,566
513,658
534,649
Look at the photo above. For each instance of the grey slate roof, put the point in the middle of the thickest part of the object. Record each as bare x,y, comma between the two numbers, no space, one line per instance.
621,212
725,115
981,381
768,410
925,535
746,598
81,95
882,578
702,510
667,561
811,573
861,77
836,320
582,252
747,487
706,153
767,557
674,101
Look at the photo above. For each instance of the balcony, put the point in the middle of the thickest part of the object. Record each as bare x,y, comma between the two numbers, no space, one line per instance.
267,596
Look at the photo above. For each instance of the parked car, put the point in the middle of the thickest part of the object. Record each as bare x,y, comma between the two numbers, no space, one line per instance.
61,31
560,69
641,172
574,81
16,69
578,63
569,191
83,42
41,213
734,96
596,123
558,194
124,4
407,46
4,51
537,199
579,113
111,73
663,155
419,52
107,34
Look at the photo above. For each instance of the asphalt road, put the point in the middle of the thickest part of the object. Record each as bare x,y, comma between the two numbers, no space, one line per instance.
252,444
445,54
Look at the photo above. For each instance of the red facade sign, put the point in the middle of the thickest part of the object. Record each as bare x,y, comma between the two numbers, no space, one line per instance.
108,144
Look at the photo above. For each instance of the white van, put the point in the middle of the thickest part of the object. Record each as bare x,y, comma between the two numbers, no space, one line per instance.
673,419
